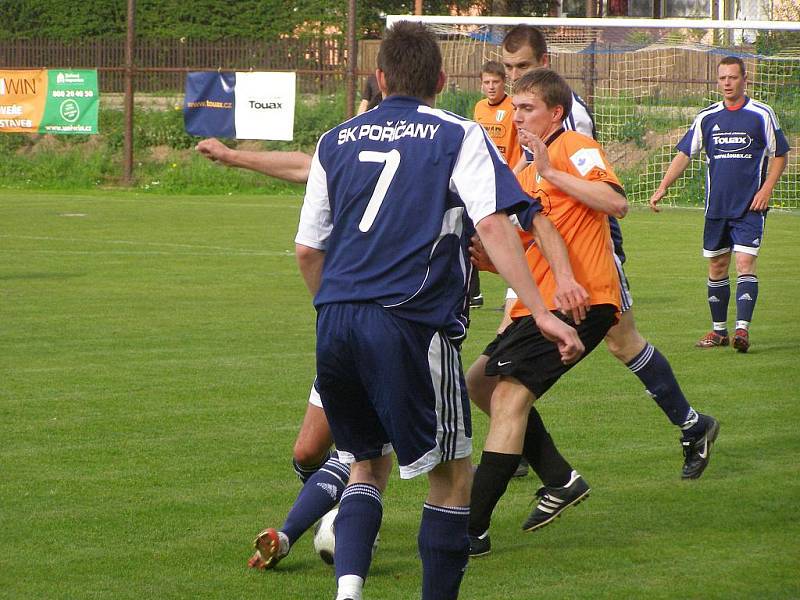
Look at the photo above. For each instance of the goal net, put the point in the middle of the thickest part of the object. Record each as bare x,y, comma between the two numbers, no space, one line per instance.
644,81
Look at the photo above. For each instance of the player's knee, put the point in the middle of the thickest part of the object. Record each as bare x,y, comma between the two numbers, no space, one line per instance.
374,472
451,483
745,264
718,266
625,343
309,453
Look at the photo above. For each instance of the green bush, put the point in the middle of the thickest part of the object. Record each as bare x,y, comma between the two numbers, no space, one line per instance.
461,103
68,162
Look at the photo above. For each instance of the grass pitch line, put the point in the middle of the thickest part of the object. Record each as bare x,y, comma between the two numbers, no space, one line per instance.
222,249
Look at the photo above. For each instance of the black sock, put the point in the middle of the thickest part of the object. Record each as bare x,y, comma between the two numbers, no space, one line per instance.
541,452
491,480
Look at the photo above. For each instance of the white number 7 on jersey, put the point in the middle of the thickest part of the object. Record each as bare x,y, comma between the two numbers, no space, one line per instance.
390,160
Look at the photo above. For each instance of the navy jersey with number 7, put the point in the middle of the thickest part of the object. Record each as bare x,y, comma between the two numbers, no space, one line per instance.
391,199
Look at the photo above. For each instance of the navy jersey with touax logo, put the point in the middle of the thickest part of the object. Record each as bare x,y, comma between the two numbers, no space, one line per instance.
738,143
391,198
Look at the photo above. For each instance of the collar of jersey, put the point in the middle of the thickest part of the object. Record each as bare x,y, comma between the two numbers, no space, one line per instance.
402,100
553,137
740,107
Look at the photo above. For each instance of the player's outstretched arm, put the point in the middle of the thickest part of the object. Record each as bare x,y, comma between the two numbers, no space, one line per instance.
675,169
289,166
570,297
502,243
774,172
597,195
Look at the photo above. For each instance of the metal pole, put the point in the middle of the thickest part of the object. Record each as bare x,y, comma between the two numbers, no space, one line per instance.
352,57
129,72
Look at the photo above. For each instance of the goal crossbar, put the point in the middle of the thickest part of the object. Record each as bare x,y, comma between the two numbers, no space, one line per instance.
595,22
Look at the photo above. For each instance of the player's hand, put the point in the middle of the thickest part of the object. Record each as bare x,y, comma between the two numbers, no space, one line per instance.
565,337
571,299
213,150
479,257
540,157
760,200
657,197
524,137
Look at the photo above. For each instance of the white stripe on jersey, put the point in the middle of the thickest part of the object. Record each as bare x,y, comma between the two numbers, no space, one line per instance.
316,222
579,118
452,223
477,193
697,129
770,125
773,117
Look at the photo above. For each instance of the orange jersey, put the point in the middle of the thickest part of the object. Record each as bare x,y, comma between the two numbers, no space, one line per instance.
585,230
498,122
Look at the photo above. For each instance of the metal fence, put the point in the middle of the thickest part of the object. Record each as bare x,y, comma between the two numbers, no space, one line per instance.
161,65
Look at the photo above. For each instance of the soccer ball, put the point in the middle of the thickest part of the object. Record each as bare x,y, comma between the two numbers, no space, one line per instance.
325,538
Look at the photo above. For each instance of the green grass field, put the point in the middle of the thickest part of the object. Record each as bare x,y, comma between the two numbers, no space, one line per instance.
155,359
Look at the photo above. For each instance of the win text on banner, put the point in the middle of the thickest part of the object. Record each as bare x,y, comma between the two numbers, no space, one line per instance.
49,101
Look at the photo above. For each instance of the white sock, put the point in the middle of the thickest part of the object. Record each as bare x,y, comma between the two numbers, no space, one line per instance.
349,587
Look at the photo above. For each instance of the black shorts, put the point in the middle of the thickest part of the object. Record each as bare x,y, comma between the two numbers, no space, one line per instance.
522,352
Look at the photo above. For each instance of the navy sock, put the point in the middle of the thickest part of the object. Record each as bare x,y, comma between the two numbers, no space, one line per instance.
541,453
356,526
444,549
719,294
305,471
489,485
746,296
654,372
319,494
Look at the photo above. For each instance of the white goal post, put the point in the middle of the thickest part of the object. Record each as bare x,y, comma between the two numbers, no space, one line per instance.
644,80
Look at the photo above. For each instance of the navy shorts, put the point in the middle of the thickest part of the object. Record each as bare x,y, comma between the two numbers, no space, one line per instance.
391,384
522,352
744,234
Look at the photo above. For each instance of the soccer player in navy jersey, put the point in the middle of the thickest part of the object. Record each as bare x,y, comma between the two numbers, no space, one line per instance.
740,136
391,199
524,49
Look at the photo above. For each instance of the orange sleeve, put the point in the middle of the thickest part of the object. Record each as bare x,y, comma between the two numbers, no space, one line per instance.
586,158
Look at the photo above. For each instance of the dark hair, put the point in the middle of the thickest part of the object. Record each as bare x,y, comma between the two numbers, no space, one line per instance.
411,60
733,60
494,68
549,86
526,35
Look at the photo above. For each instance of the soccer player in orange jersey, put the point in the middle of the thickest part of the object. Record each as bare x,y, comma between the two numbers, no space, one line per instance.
495,112
578,190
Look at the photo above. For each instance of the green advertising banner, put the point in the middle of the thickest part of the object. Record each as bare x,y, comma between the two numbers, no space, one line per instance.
62,101
72,102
